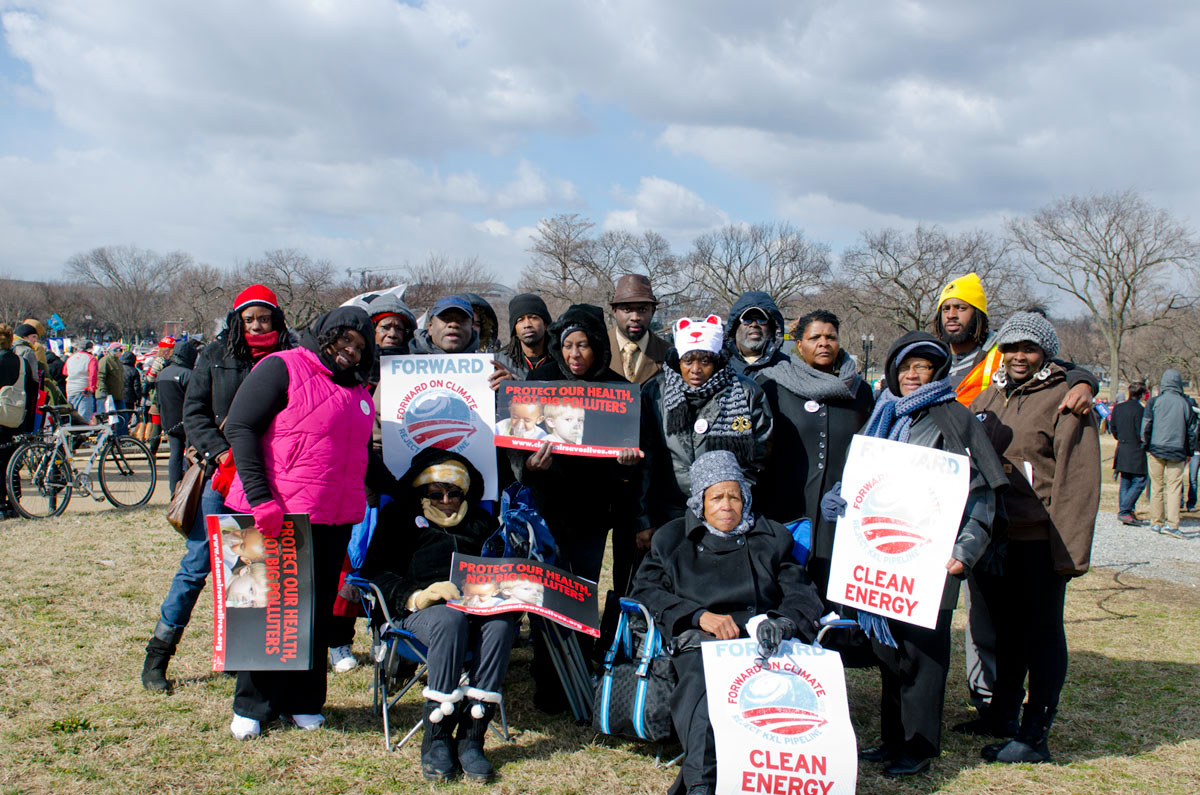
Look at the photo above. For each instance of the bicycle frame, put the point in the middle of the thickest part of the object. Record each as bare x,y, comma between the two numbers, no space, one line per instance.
81,478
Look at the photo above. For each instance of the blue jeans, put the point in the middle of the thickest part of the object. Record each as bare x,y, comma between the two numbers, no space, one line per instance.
1193,471
83,403
195,564
1131,489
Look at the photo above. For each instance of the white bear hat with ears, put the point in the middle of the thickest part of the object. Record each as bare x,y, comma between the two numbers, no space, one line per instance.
706,335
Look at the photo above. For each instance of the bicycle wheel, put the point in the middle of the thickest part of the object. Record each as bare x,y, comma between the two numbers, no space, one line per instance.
127,472
39,480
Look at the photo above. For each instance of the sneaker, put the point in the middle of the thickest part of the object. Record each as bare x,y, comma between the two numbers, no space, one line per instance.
1174,531
245,728
1129,519
342,660
1156,528
306,722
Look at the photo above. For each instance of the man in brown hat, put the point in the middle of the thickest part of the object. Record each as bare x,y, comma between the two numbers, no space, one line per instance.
637,352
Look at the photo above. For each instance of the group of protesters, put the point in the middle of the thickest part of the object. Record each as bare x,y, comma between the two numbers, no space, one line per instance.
721,521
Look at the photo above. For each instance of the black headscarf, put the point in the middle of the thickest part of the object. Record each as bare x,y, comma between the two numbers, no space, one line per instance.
325,329
590,320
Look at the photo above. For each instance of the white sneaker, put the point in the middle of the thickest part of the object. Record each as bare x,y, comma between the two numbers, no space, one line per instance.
244,728
306,722
342,660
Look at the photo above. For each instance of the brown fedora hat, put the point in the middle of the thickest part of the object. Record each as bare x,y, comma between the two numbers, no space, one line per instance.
634,288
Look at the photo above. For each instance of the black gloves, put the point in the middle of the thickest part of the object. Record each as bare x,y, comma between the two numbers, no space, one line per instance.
832,504
772,632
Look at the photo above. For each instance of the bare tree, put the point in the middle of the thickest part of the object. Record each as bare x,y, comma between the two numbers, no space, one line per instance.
1115,254
301,284
20,299
130,284
774,257
559,249
899,276
200,296
439,276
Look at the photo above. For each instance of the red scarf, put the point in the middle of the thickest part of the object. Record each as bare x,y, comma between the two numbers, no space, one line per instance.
262,344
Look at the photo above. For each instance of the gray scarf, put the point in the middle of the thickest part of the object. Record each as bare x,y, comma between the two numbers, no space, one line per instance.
732,406
795,375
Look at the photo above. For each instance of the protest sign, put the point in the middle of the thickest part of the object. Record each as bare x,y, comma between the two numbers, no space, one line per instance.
441,401
509,585
581,418
904,504
262,594
782,728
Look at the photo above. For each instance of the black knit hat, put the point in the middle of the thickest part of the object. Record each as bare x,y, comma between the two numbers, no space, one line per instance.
527,304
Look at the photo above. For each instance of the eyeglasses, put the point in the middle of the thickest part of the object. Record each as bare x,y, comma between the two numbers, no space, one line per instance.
438,493
755,317
916,367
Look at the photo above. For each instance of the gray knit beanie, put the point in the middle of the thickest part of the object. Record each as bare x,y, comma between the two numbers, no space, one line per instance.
1031,327
715,467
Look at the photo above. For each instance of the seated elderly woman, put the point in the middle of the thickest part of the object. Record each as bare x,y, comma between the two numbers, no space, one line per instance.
708,573
409,559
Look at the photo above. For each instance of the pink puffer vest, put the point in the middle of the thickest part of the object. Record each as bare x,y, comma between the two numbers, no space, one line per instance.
315,451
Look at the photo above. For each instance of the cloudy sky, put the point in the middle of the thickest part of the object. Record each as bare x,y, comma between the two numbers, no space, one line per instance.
372,132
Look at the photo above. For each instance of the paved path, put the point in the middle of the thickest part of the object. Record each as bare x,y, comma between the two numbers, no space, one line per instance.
1144,553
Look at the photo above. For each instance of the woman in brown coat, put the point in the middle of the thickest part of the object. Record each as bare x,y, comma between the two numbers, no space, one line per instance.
1053,464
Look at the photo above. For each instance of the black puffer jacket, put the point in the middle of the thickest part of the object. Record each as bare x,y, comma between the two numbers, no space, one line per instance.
579,494
407,551
214,381
172,386
771,353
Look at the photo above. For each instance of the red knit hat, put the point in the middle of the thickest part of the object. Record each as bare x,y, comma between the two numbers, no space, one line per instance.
255,294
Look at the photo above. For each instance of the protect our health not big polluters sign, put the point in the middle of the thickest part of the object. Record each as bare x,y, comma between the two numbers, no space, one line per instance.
439,401
904,504
783,727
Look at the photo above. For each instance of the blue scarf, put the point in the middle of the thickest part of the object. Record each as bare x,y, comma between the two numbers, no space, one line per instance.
893,419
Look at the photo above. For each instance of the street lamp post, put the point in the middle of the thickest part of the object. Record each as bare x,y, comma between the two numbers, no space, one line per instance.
868,342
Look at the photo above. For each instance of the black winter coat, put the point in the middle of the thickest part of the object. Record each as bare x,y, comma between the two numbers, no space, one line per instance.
809,448
666,468
214,382
133,380
690,569
407,552
1126,425
172,386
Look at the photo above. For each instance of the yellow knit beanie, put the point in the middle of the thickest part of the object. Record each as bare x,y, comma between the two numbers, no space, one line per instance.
966,288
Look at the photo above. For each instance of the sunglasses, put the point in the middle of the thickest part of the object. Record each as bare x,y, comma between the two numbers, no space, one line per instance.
438,493
755,317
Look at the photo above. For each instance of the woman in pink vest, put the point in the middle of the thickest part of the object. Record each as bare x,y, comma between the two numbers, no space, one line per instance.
300,428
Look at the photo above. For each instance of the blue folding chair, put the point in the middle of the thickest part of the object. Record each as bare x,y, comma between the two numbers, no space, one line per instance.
394,649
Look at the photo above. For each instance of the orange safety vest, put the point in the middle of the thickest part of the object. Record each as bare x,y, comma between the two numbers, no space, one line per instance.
980,377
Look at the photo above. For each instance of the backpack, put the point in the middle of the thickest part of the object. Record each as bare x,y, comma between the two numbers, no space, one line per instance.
12,400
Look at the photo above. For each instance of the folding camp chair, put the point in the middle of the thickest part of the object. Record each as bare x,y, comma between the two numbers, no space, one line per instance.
394,648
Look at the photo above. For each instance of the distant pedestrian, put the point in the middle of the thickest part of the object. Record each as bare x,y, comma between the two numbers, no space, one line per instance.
81,370
1169,429
1129,461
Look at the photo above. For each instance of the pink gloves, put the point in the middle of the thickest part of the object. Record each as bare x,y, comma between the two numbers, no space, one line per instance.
268,518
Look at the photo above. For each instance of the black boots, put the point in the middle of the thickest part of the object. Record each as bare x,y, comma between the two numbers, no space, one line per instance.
437,750
158,654
988,723
1031,742
472,729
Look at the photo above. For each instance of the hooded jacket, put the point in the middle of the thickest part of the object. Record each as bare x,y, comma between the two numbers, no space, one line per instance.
301,427
1052,461
133,379
489,324
110,377
1168,423
408,552
951,427
579,494
214,381
172,386
772,353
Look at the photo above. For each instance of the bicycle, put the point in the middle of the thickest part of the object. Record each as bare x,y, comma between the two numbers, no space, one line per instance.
41,476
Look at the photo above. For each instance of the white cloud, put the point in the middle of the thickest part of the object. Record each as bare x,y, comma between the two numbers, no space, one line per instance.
665,207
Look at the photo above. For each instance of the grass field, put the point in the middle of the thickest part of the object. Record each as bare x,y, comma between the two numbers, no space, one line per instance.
79,598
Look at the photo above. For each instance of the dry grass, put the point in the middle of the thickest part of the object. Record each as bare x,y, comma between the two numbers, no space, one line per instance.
80,595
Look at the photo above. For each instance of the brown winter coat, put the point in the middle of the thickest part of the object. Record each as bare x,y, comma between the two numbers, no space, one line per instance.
1063,452
649,363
